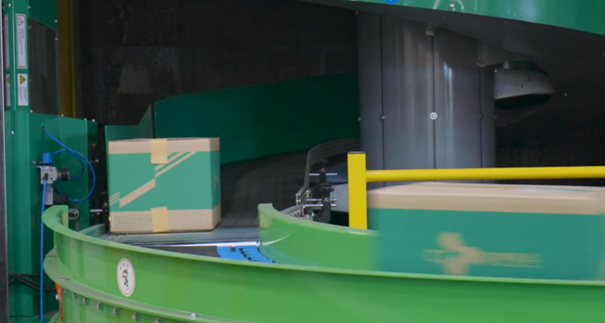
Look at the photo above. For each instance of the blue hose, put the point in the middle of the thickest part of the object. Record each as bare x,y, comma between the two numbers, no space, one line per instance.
94,180
42,253
79,157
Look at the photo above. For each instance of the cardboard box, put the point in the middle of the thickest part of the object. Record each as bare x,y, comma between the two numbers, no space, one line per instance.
164,185
513,231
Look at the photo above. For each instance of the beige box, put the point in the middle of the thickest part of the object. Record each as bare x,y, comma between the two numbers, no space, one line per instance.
512,231
164,185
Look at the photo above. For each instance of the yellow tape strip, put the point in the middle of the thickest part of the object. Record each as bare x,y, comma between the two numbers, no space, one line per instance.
159,151
159,220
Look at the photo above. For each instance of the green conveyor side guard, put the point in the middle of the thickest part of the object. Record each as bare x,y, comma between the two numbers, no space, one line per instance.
582,15
177,287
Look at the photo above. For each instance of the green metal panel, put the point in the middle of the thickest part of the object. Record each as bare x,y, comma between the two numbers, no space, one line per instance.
260,120
294,241
44,11
174,285
25,145
583,15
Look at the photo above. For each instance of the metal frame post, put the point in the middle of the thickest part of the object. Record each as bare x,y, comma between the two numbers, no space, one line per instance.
4,282
358,206
16,63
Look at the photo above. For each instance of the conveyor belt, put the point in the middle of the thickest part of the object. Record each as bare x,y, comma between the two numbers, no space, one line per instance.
233,251
247,184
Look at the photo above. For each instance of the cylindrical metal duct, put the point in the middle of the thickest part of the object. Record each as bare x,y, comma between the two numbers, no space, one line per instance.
425,103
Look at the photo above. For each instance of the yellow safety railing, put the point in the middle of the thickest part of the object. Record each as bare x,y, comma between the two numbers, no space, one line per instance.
359,176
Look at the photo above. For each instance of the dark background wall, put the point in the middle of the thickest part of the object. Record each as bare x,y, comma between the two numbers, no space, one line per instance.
133,53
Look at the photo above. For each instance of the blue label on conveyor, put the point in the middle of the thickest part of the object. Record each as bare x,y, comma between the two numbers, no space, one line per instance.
246,253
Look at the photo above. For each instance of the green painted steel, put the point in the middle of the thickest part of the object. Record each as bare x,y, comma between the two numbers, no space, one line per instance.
583,15
294,241
24,196
173,285
44,12
257,121
327,106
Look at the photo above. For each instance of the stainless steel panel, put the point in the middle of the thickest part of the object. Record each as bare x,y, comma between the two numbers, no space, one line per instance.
370,84
408,95
457,101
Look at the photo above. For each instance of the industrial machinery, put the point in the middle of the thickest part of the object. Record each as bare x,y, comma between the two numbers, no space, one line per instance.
438,81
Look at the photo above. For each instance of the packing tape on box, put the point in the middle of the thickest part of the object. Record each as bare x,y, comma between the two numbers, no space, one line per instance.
159,220
159,151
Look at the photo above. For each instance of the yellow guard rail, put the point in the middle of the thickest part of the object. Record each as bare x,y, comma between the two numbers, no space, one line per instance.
359,176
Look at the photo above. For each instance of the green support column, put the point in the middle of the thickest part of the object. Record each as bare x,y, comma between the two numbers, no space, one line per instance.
21,221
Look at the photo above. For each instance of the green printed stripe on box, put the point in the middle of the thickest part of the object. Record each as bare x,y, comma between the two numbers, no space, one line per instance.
491,244
138,185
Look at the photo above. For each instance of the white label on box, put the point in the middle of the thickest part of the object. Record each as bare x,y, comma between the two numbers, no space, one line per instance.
21,25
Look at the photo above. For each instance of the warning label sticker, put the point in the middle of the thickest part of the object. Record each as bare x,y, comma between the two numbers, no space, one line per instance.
7,58
7,90
23,90
21,41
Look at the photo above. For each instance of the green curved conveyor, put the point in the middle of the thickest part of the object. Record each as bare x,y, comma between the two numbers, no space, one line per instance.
176,287
582,15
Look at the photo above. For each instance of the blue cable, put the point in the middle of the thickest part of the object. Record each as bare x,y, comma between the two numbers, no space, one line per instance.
79,157
42,253
94,180
66,149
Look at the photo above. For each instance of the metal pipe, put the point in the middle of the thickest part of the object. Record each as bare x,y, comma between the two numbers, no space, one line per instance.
458,174
359,176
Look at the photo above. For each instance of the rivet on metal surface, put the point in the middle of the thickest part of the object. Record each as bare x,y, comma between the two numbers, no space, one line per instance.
116,311
433,116
9,5
31,111
99,306
12,132
57,296
359,119
75,296
135,317
453,5
382,117
192,315
85,301
158,321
